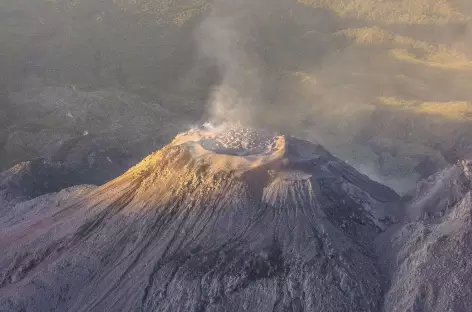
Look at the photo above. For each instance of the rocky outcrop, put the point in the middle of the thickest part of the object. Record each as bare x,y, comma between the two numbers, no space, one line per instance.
428,254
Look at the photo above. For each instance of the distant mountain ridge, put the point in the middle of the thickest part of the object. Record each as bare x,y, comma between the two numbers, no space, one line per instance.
382,84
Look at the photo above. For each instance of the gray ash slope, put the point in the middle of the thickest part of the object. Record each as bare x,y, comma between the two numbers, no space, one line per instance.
218,220
428,253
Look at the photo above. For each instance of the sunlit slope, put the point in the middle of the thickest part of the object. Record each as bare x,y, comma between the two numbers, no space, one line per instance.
217,220
394,12
424,43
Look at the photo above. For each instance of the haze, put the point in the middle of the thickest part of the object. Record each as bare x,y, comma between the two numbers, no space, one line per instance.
97,85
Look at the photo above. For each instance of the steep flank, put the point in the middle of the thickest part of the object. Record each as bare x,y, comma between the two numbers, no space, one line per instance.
428,254
220,219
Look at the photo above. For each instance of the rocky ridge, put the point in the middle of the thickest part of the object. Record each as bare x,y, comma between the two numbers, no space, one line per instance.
234,219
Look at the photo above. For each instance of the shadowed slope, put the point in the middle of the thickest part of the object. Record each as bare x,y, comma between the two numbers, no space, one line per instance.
428,254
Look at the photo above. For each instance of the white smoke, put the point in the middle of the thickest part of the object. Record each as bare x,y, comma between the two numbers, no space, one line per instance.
220,38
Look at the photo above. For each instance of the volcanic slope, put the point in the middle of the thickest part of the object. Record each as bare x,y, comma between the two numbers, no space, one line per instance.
429,253
227,219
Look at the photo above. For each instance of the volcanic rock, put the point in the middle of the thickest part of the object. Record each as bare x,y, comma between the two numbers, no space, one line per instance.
428,254
219,220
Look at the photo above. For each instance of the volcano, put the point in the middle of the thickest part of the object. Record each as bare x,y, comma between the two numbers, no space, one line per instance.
221,219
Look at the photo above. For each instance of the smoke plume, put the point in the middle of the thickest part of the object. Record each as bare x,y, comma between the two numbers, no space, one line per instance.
220,37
